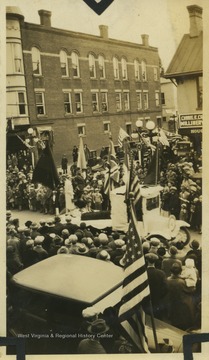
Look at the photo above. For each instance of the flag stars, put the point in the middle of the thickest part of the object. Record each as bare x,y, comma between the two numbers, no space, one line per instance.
133,256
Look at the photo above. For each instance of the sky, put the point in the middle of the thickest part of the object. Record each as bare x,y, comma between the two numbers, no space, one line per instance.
165,21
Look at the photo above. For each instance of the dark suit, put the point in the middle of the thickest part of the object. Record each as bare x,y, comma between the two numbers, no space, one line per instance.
158,290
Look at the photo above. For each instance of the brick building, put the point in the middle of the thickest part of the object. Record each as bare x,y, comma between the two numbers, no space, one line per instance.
77,84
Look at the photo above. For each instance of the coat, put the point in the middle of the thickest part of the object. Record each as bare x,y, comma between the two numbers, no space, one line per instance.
180,303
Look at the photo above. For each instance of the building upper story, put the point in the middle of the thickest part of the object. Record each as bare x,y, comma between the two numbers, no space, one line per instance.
73,75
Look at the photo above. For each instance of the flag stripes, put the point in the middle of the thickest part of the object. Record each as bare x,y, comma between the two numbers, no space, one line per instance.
135,288
134,186
122,136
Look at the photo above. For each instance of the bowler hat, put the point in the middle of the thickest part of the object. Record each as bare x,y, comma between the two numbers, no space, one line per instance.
99,326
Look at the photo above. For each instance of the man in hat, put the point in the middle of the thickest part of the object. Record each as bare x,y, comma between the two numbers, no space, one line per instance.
92,344
42,253
30,256
169,261
58,226
158,286
64,164
34,230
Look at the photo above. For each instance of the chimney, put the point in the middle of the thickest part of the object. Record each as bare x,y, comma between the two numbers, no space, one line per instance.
145,40
103,31
195,17
45,17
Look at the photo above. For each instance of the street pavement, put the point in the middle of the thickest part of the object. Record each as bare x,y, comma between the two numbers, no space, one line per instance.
25,215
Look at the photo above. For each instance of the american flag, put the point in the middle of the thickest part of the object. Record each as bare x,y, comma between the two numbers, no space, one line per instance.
122,136
81,163
135,289
134,186
114,167
106,185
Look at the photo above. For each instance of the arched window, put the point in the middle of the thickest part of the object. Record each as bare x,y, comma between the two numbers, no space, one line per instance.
101,66
63,63
144,71
116,68
36,61
75,64
124,69
92,66
137,70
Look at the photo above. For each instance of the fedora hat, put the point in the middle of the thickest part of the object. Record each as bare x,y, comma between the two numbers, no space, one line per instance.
81,249
99,326
103,255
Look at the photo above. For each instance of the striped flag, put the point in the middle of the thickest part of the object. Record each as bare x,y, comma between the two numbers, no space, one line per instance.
114,167
122,136
134,186
135,289
107,182
81,163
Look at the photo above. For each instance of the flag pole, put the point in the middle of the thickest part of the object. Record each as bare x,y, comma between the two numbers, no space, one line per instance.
153,327
131,198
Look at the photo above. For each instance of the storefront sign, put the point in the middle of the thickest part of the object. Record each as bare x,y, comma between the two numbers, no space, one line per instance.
190,121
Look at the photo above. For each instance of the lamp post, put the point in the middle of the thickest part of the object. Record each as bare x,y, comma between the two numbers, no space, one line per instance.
143,134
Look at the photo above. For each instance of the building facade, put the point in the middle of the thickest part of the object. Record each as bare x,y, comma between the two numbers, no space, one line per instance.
73,84
169,105
186,70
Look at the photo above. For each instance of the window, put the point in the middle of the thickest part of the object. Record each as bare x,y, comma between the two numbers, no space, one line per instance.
67,103
78,102
155,74
40,103
94,101
139,100
146,100
118,101
124,69
128,129
101,67
18,57
126,101
81,130
21,102
199,92
104,101
63,63
116,68
137,70
162,98
106,126
92,66
75,64
36,61
144,71
157,98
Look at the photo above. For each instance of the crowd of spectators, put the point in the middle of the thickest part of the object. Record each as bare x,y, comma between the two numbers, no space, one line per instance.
174,273
181,193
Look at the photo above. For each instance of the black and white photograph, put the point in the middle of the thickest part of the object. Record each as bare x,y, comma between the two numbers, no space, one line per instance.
104,245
